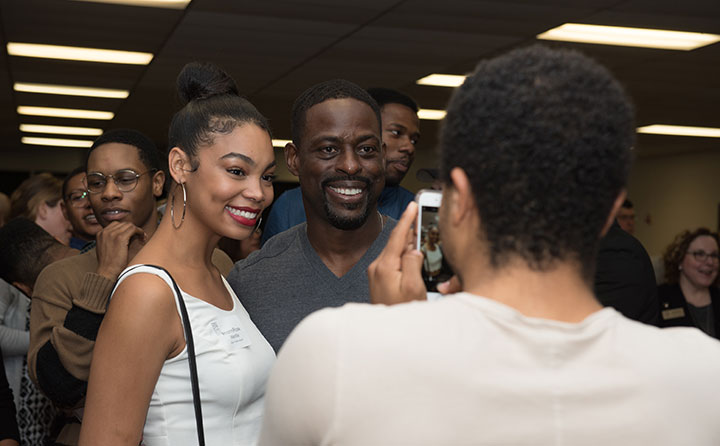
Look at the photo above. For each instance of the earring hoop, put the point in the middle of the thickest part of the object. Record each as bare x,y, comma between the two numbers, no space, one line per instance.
172,207
257,225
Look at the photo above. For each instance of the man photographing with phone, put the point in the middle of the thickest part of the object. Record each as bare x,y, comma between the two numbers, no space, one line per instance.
535,152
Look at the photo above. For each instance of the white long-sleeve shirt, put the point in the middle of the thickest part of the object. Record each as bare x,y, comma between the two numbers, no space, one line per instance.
469,370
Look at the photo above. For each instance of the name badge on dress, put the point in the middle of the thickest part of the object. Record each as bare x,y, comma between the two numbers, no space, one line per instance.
230,330
673,313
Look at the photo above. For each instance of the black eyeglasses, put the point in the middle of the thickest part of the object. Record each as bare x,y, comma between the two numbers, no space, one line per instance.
125,180
701,255
77,199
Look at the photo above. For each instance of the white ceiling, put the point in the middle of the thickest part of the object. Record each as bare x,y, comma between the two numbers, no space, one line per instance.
276,49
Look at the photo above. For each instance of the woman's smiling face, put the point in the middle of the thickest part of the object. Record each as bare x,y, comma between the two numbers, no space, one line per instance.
701,273
233,182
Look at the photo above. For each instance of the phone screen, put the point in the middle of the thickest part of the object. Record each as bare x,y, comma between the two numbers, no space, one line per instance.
435,269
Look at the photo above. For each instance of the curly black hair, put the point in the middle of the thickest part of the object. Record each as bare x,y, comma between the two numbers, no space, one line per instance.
318,93
212,105
545,137
147,150
676,251
384,96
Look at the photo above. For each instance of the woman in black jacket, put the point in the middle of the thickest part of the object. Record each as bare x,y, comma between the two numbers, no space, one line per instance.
691,297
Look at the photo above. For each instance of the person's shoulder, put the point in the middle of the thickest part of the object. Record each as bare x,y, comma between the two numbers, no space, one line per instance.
618,239
414,315
669,291
69,268
276,247
405,194
288,197
143,282
687,345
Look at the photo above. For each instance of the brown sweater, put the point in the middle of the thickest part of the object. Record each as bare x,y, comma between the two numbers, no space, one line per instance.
68,304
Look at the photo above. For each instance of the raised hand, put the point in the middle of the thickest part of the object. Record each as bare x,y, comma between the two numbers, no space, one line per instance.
112,248
395,276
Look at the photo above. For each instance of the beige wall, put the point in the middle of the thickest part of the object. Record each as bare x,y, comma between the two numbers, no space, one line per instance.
676,193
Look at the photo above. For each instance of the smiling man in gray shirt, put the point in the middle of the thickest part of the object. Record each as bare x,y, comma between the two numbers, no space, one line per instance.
338,155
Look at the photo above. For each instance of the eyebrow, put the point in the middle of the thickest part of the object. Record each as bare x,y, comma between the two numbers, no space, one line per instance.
245,158
273,164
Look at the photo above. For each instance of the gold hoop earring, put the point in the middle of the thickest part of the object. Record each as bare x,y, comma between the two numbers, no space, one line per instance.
172,207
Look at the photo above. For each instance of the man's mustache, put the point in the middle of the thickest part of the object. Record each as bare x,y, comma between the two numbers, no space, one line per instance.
364,180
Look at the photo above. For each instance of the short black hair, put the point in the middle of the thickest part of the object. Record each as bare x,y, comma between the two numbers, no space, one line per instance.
318,93
212,105
75,171
147,150
545,137
384,96
26,251
627,204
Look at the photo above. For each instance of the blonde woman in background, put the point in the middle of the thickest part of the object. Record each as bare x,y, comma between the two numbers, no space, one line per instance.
38,199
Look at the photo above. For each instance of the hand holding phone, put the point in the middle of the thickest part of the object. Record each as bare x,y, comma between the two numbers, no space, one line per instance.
394,276
435,269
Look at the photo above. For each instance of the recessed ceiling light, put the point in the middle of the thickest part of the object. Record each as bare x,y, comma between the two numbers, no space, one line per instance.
57,142
679,130
280,142
623,36
442,80
60,130
78,53
170,4
64,112
429,114
70,90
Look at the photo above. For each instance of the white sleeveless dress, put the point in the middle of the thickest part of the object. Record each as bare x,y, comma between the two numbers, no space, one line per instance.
233,363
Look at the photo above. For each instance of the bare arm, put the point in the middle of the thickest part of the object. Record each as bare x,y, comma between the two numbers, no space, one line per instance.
140,331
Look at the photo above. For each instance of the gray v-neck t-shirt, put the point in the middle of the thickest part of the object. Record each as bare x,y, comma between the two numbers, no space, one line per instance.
286,280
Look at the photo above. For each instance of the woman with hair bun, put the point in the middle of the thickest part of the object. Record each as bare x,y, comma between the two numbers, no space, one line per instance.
222,164
690,297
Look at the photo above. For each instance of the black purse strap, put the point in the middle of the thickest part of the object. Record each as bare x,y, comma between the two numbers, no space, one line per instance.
191,352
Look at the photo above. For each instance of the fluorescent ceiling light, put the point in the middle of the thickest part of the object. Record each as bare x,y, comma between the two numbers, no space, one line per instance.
618,35
442,80
64,112
280,142
433,115
57,142
70,90
60,130
78,53
169,4
679,130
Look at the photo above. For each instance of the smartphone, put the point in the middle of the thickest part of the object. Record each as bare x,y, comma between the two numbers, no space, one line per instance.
434,269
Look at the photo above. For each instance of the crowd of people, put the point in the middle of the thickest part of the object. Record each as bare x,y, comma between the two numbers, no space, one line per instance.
124,323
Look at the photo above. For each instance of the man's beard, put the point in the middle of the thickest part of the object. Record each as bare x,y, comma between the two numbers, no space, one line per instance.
349,223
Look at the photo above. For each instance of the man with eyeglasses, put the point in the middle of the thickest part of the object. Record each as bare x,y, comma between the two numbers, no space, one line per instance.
123,180
76,208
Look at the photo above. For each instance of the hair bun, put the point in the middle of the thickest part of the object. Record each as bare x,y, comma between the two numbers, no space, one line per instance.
201,80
